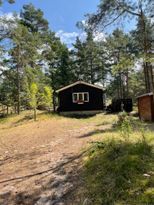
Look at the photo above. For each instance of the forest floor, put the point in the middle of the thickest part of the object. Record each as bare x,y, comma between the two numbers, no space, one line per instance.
40,162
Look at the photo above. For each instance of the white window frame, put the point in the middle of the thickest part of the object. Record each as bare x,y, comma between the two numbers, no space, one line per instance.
79,93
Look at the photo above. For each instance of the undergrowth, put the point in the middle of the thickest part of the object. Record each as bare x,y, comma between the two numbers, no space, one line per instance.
121,172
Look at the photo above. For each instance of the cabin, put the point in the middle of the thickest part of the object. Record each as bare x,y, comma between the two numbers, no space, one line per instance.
81,97
146,107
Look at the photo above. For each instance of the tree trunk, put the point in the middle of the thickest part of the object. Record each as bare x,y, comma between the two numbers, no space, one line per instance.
151,78
34,114
147,67
54,102
91,70
146,78
121,89
18,85
127,84
7,108
15,109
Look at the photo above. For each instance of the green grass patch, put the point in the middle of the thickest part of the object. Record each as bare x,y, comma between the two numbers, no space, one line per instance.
120,173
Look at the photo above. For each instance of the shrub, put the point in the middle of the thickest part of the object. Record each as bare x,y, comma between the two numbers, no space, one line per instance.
122,117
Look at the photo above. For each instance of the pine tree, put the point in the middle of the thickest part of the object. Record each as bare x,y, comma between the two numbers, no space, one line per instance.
26,60
88,60
23,55
8,89
78,56
33,19
147,57
58,61
9,1
111,11
121,62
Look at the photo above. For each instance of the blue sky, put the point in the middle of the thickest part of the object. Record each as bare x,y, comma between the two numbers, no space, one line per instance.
61,14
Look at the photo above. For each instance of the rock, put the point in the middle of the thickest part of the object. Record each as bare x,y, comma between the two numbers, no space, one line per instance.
62,190
43,146
56,202
1,158
87,202
4,194
146,175
58,181
42,201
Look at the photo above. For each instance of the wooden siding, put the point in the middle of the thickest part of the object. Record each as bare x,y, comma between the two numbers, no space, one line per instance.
146,107
95,99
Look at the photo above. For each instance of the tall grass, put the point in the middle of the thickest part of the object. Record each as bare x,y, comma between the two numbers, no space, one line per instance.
121,172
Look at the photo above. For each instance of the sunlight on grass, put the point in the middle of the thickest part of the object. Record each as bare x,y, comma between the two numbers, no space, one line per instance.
120,172
101,119
25,117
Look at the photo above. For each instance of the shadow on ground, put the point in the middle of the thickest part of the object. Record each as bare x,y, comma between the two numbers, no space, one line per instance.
26,118
78,116
51,187
98,131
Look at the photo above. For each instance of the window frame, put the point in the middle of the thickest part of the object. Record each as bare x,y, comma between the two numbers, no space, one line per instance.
83,97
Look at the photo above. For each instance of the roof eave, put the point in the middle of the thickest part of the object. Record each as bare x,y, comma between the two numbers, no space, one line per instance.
79,82
146,94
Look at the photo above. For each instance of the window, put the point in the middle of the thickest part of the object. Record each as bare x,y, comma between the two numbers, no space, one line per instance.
80,98
75,97
86,97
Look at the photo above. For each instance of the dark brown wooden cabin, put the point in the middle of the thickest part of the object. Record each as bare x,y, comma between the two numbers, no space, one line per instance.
80,96
146,107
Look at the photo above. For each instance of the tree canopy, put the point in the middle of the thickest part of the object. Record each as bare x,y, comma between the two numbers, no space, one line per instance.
31,72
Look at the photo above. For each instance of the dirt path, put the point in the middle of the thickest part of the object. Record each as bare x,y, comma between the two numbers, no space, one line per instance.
40,162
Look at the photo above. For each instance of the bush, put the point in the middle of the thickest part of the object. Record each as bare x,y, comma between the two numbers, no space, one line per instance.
122,117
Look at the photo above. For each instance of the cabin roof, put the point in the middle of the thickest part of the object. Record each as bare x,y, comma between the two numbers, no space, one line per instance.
79,82
146,94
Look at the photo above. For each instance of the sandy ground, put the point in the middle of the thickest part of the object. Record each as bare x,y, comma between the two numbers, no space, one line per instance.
40,161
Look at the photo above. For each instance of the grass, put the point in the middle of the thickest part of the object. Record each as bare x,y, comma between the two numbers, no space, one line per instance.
120,171
101,119
25,117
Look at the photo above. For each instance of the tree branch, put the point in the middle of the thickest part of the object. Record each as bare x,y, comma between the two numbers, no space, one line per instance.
131,12
125,9
114,19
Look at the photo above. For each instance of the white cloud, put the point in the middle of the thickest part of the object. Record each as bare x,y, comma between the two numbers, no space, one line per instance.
99,36
9,16
69,38
7,21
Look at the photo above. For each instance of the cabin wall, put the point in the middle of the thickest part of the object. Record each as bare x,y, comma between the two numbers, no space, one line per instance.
152,108
146,108
96,101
